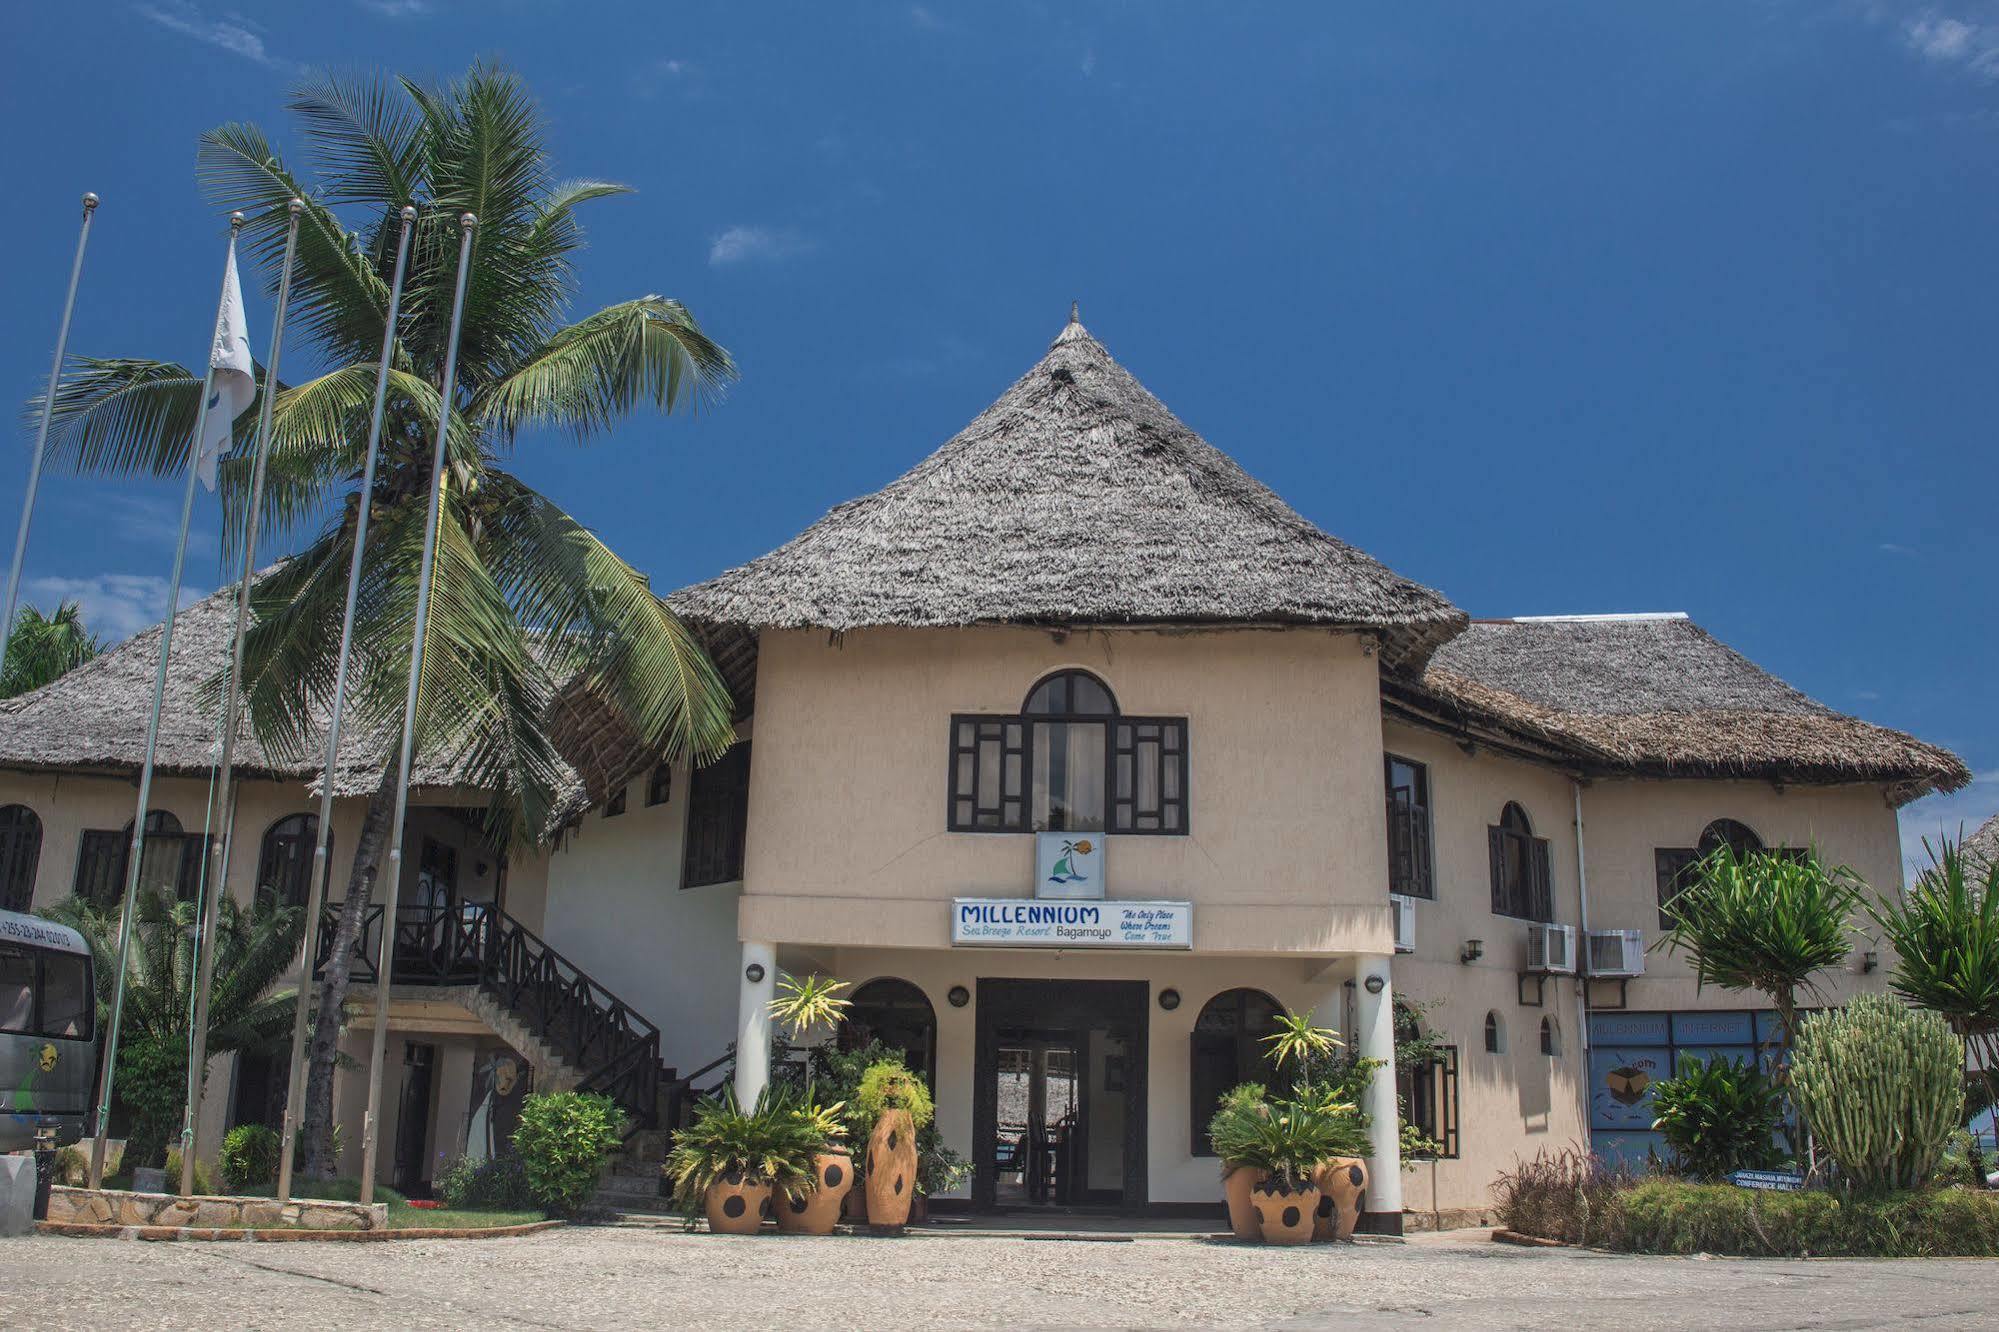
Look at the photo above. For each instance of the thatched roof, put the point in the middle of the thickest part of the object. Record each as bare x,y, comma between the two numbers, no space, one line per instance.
94,718
1983,845
1077,498
1657,694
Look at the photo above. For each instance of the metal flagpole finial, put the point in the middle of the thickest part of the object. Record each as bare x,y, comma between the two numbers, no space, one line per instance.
295,207
408,213
89,201
236,221
467,221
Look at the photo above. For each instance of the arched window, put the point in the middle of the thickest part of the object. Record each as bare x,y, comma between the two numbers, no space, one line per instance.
897,1014
173,861
1520,867
1495,1034
1551,1037
1737,837
284,863
1069,715
20,852
1228,1049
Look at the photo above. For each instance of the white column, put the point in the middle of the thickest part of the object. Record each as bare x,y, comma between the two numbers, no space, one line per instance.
1374,1029
753,1019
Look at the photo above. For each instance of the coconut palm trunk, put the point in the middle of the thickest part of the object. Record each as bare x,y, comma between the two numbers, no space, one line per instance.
527,606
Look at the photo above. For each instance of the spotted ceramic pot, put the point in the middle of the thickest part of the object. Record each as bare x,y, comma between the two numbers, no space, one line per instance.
1341,1182
817,1212
737,1204
1284,1213
891,1170
1242,1213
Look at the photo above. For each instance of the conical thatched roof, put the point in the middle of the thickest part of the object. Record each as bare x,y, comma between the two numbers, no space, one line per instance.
1983,845
1077,498
1658,694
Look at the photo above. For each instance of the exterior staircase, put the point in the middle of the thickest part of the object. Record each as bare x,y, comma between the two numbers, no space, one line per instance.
632,1184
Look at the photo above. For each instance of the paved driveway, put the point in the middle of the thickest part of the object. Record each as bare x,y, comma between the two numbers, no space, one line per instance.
666,1279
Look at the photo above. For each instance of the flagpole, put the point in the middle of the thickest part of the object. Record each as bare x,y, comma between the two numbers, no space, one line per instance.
136,853
316,885
384,967
232,705
42,431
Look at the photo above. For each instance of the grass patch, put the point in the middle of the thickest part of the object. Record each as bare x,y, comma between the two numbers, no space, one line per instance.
402,1216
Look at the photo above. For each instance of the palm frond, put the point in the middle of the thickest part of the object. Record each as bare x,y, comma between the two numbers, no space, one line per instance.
366,137
592,373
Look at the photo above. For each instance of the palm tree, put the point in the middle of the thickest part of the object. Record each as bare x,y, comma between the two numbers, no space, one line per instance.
253,950
44,647
1945,932
1764,921
525,600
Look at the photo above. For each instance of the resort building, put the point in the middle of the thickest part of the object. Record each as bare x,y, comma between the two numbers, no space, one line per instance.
1082,756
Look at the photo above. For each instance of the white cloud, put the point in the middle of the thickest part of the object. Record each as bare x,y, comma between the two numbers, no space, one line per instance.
1958,814
115,606
1948,40
1894,548
741,244
660,75
397,9
231,33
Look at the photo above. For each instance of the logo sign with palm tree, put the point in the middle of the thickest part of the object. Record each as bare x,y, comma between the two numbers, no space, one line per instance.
1069,865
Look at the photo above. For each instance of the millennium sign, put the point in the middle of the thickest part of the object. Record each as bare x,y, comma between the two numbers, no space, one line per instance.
1015,922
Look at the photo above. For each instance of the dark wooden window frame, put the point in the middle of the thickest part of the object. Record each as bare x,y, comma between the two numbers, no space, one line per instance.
718,799
307,826
659,785
616,804
1005,805
1535,899
103,860
1421,878
20,856
1673,866
1429,1097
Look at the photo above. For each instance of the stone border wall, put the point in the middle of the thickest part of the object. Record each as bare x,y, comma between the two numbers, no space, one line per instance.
188,1233
116,1207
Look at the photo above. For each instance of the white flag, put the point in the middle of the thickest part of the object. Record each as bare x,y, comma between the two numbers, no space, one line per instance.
234,385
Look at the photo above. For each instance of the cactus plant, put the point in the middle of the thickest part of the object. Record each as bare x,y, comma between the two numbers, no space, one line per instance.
1881,1086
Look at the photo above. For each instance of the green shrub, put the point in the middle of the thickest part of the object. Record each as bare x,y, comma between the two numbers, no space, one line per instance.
888,1085
1719,1117
202,1183
1882,1087
563,1141
72,1166
249,1157
1569,1195
496,1184
1673,1216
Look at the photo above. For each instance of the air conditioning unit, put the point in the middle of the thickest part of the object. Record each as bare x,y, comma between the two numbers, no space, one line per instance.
1615,953
1551,948
1404,909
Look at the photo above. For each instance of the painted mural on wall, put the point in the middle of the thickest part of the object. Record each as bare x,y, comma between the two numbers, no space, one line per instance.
501,1081
1631,1052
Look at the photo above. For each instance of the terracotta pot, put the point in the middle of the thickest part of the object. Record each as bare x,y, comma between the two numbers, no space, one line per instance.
855,1208
891,1170
817,1212
1284,1213
1235,1191
1340,1182
737,1204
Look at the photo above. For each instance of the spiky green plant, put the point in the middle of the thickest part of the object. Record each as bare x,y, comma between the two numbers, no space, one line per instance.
1882,1086
771,1143
1945,933
807,1003
1719,1116
1764,921
43,648
1290,1143
254,947
1298,1041
525,599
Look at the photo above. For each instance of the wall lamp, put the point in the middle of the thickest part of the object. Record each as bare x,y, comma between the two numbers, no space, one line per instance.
1869,960
1375,984
754,972
959,996
1169,999
1473,950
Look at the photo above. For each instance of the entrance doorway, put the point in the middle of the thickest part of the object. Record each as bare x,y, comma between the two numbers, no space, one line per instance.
412,1174
1059,1109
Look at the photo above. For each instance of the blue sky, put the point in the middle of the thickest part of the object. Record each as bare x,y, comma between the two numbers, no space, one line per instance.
1557,308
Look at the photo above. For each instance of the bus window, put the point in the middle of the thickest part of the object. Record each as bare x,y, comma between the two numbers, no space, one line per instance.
17,990
66,998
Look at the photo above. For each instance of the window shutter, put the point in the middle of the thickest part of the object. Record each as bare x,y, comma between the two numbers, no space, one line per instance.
718,799
1541,904
1671,865
193,863
100,868
1495,844
988,778
1149,775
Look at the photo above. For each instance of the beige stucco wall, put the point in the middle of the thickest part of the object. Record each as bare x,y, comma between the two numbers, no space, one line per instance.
847,840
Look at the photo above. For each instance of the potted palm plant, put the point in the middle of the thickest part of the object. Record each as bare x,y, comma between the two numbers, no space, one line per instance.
1327,1084
805,1004
727,1163
1230,1131
897,1104
1288,1147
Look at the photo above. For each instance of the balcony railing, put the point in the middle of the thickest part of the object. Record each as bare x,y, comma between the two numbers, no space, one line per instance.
613,1047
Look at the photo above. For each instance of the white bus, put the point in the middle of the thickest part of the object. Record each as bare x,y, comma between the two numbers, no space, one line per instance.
48,1030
